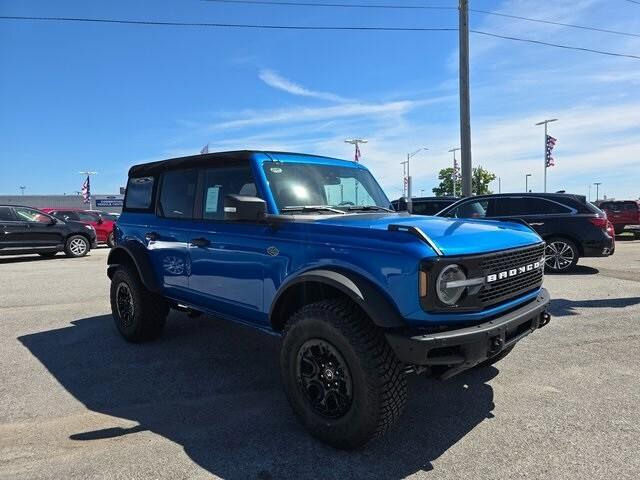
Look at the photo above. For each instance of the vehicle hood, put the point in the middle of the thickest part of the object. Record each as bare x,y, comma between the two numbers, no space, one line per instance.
452,236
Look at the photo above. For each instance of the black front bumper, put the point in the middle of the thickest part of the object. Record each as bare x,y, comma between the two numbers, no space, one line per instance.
451,352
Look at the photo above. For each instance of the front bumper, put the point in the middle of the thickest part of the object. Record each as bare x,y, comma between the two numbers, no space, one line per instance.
451,352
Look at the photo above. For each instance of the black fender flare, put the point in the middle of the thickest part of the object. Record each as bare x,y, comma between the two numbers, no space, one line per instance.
134,252
365,294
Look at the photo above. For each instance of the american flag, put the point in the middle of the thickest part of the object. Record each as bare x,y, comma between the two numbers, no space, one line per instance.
357,155
205,149
86,190
551,142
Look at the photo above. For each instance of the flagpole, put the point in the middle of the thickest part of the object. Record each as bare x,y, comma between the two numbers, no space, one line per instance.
88,174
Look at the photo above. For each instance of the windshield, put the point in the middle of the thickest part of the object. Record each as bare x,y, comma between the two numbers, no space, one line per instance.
307,185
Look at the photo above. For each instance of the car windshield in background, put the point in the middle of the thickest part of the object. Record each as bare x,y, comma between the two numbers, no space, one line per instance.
314,188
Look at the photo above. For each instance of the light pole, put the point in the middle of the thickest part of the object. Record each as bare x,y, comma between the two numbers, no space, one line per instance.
526,182
597,184
589,187
499,185
408,175
22,189
465,96
356,142
545,123
455,168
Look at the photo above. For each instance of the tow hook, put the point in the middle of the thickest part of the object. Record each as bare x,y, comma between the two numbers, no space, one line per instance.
544,319
496,345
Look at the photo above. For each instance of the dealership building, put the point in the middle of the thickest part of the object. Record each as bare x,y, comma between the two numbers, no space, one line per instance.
106,203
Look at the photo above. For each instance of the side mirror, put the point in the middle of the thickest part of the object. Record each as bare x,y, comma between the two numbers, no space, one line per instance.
244,208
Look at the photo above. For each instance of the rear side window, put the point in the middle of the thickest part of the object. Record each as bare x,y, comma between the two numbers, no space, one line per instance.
66,215
474,209
88,217
528,206
139,194
6,214
222,181
429,208
178,193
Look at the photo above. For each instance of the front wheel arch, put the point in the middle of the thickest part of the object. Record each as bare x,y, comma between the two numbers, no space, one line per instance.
317,285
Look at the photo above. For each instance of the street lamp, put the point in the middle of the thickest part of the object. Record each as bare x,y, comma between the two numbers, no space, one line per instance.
545,123
597,184
526,182
408,175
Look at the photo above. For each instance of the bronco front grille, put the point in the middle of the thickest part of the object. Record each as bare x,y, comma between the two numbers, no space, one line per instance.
503,289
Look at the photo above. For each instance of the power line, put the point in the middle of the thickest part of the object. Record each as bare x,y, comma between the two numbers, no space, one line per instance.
550,22
423,7
303,27
557,45
223,25
336,5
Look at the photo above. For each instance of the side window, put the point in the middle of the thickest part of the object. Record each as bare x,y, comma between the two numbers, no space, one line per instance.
222,181
31,215
6,214
178,193
139,194
474,209
67,216
88,217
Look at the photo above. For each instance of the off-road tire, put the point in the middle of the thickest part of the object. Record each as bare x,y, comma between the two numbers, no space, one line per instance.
48,254
149,311
111,240
565,268
70,249
495,359
379,389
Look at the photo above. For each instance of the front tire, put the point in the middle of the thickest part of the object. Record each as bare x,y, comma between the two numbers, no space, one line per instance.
340,375
76,246
561,255
139,314
111,241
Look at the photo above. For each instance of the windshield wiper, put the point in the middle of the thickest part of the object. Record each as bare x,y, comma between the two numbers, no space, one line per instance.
369,207
312,208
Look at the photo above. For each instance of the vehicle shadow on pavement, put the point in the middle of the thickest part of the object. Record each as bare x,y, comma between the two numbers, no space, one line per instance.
561,307
578,270
27,258
214,388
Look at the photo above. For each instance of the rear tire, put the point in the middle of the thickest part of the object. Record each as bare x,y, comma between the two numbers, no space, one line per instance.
139,314
76,246
561,255
111,241
340,375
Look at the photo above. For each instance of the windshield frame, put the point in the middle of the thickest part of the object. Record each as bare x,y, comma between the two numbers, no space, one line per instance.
375,195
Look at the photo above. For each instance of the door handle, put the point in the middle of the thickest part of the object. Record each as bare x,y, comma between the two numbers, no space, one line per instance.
200,242
152,236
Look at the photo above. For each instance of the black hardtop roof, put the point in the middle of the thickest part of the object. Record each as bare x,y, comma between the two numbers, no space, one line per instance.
204,159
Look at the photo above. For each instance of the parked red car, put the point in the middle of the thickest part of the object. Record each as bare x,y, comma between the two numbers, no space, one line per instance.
103,226
622,213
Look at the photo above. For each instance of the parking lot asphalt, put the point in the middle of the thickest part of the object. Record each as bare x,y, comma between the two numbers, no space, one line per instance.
205,400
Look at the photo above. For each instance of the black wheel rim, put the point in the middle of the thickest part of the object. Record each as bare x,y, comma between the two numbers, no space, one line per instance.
559,255
125,305
324,378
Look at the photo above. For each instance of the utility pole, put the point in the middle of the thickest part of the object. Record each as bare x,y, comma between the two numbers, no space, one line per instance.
455,168
88,175
526,182
545,123
22,189
597,184
408,176
465,108
589,187
404,178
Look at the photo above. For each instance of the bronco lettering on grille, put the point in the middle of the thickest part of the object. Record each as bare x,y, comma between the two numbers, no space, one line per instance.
514,271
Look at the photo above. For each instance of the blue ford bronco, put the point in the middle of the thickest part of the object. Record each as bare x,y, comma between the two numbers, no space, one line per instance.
307,248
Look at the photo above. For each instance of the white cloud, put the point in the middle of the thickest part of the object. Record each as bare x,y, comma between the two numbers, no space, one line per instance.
277,81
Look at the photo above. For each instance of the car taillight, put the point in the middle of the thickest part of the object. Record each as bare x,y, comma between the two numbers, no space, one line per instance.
599,222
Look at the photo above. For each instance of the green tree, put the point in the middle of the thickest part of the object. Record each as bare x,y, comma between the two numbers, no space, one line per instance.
480,181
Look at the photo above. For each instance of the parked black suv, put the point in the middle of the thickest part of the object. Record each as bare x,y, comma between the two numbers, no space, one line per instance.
571,226
27,230
424,205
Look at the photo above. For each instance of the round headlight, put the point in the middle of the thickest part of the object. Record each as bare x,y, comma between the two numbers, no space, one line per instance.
447,293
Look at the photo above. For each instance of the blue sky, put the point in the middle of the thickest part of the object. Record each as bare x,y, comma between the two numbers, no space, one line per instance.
103,97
